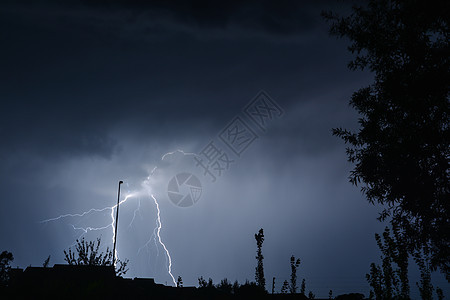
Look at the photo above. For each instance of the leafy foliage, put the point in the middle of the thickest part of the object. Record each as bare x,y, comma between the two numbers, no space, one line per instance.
401,153
440,293
386,281
425,287
88,253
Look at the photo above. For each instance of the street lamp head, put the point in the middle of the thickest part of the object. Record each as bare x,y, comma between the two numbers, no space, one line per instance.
120,182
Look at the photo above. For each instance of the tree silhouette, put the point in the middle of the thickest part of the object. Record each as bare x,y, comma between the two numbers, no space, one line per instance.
303,287
285,287
179,282
259,273
210,283
401,152
440,293
202,282
250,290
225,286
294,266
386,281
425,286
88,253
5,259
235,287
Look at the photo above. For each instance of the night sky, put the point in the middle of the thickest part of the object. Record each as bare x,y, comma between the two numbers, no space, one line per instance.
91,94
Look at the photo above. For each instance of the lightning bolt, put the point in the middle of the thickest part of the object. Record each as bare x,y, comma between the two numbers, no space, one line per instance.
136,211
85,230
179,151
160,241
156,235
75,215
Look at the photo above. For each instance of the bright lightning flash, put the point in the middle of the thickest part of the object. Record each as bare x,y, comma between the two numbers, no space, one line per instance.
159,239
156,232
85,230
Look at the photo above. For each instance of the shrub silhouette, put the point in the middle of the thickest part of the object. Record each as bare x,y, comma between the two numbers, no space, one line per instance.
88,253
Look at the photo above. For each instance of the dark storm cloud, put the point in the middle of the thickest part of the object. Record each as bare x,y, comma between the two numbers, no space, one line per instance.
271,17
69,78
281,17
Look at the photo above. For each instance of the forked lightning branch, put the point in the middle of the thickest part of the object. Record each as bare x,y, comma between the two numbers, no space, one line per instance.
156,236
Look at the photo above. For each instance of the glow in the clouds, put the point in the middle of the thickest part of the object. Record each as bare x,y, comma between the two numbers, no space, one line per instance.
156,236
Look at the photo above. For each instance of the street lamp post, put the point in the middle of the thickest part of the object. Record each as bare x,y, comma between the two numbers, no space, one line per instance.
117,221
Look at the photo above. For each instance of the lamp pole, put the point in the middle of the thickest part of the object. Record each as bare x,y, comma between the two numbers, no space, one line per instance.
117,221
